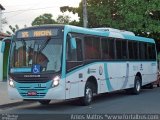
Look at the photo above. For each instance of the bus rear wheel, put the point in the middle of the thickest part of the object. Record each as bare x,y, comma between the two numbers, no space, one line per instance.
88,94
137,86
44,102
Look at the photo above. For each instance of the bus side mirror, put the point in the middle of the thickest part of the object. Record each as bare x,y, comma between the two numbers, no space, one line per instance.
73,43
2,46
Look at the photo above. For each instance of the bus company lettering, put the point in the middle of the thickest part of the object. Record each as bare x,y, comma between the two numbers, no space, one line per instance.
42,33
32,76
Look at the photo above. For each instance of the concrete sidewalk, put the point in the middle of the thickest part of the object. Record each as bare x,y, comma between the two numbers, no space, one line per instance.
4,98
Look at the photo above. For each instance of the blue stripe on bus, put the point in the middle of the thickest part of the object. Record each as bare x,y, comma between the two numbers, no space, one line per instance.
127,76
109,86
80,68
64,55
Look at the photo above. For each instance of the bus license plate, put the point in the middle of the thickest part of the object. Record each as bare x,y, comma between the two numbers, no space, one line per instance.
32,93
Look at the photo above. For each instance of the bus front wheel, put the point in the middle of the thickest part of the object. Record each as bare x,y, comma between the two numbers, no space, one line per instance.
44,102
88,94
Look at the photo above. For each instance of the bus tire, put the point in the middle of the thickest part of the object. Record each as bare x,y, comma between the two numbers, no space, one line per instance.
44,102
88,94
137,86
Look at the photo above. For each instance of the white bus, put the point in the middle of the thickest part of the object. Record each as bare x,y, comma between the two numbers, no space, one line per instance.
61,62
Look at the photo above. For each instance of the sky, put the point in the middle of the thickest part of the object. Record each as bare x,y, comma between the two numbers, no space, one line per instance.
23,12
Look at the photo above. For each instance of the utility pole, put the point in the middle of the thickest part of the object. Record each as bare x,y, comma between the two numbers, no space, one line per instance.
85,16
1,8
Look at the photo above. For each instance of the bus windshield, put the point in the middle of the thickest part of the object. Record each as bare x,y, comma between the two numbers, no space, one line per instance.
45,52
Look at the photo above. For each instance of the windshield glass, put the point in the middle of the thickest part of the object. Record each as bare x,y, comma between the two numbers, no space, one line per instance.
43,53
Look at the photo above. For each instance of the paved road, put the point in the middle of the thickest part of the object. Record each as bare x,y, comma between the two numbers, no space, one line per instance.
4,98
148,102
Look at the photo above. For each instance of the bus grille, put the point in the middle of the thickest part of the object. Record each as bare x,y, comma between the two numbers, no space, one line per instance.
33,90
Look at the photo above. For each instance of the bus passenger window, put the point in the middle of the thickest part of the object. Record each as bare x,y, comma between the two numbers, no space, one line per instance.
105,51
124,49
119,48
92,47
111,45
74,56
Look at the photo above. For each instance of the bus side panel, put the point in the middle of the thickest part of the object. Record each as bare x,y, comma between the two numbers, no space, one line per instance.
153,71
149,72
146,69
110,76
117,75
76,79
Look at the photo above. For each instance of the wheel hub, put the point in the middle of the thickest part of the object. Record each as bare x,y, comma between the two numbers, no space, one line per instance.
89,94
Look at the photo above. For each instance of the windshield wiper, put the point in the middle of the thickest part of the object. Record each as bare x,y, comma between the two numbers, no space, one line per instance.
44,44
40,48
23,42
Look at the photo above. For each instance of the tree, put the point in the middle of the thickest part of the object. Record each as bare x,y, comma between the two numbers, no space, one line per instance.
74,11
63,19
46,18
13,29
139,16
4,21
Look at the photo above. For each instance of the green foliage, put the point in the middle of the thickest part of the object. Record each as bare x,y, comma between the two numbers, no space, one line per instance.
13,29
43,19
63,19
139,16
46,18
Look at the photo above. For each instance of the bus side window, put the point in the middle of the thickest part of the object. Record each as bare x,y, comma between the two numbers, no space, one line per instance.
119,48
74,55
124,49
111,45
142,50
70,51
105,49
92,48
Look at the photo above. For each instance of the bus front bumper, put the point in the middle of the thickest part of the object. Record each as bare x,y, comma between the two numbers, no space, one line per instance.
36,91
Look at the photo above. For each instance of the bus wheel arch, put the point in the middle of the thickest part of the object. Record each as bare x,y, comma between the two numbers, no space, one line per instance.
90,89
92,80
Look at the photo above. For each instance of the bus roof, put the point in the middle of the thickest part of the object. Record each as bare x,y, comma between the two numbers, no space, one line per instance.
41,26
91,31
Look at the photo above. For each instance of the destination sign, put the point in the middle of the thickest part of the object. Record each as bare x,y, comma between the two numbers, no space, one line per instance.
37,33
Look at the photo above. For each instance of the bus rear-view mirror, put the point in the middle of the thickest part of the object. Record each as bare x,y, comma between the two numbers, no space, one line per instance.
73,43
2,44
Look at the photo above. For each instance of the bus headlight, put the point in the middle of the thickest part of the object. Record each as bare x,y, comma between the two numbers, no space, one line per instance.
56,81
11,82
